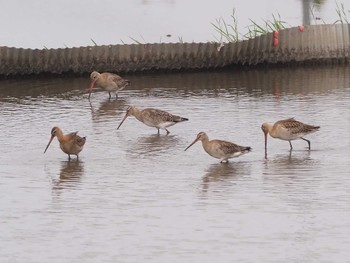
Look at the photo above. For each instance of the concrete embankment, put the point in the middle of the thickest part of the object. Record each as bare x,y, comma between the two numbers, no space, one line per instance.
312,44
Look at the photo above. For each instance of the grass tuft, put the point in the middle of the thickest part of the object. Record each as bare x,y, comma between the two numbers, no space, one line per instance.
228,32
269,26
93,41
138,41
342,15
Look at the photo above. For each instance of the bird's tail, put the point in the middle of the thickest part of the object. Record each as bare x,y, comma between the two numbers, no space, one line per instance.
179,119
247,149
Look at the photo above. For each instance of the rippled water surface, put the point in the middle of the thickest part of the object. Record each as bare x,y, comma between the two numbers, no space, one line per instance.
134,196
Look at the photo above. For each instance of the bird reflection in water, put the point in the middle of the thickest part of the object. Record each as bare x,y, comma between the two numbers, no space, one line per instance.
70,175
290,164
108,108
154,144
223,174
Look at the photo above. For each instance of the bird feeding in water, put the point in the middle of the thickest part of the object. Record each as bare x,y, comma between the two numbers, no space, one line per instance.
70,143
153,117
219,149
108,81
288,130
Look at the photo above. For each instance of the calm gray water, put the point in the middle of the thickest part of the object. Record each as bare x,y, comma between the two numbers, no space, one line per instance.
134,196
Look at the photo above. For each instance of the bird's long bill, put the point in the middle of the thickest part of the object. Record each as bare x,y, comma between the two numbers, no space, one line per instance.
265,134
126,115
49,143
91,87
192,143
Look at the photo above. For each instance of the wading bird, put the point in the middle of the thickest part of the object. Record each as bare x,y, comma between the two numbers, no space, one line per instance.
107,81
219,149
288,130
70,143
154,118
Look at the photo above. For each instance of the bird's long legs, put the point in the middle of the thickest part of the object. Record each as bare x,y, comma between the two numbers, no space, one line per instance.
308,142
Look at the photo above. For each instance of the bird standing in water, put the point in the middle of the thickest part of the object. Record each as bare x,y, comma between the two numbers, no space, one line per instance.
70,143
219,149
108,81
153,117
288,130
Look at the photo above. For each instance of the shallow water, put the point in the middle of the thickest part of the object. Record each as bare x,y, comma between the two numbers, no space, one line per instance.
135,196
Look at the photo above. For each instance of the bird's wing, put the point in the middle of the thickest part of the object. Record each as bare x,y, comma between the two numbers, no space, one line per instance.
229,147
161,115
295,126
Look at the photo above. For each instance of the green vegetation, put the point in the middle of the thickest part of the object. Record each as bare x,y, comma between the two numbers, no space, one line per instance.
228,31
143,41
225,30
137,41
342,14
93,41
255,29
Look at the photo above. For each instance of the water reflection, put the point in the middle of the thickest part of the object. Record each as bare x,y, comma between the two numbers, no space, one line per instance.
69,176
290,164
38,87
107,108
258,83
154,144
223,172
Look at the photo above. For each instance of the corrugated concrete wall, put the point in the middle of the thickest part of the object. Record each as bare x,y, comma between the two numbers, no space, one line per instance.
317,43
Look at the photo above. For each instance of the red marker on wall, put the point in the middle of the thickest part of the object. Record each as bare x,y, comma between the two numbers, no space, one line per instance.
275,38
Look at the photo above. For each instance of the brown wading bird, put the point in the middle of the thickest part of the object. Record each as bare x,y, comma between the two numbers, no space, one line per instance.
108,81
153,118
219,149
288,130
70,143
